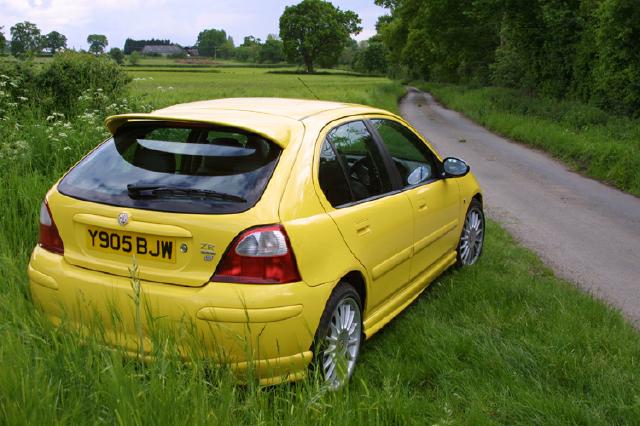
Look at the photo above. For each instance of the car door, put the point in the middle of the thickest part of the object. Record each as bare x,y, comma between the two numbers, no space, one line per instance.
435,201
373,216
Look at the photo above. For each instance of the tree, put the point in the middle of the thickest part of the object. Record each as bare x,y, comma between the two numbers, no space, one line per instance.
444,40
97,43
25,39
134,58
617,72
3,41
272,51
117,55
372,59
54,41
215,43
316,31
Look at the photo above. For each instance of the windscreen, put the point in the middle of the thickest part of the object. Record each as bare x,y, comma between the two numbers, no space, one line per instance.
176,168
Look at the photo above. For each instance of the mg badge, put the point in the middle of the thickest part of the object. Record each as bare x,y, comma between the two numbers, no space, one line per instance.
123,218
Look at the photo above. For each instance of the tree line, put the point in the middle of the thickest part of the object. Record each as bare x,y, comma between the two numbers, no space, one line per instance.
312,33
586,50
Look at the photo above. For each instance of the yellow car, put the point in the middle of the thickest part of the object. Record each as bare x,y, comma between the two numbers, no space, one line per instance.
284,231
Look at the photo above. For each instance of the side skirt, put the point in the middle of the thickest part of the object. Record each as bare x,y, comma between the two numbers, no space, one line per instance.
385,313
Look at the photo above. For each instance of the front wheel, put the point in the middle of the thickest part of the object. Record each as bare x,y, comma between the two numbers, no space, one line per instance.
339,336
472,237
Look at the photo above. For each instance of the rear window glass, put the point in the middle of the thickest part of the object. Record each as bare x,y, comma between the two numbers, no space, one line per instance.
175,168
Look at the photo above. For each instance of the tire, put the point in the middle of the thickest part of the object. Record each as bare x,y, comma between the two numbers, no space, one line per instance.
339,337
472,237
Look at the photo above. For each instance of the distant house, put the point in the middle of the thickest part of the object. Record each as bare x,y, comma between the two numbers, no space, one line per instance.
192,51
162,50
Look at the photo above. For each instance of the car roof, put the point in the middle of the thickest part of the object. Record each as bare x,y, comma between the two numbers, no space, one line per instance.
273,118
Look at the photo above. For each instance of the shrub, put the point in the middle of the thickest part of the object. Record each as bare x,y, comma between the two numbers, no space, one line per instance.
134,58
70,75
117,55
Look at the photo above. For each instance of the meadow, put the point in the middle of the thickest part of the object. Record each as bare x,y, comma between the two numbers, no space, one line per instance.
502,342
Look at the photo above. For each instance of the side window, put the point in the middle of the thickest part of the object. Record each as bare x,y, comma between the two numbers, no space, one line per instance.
361,160
332,178
413,159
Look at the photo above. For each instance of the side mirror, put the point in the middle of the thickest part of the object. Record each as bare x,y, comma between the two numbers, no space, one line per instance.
455,167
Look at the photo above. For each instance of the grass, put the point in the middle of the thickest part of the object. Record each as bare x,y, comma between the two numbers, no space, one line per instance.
168,88
502,342
600,145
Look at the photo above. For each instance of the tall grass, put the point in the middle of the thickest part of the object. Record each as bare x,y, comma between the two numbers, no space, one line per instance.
501,342
601,145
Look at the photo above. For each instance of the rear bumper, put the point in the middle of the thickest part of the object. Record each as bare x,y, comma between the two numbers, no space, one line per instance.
268,328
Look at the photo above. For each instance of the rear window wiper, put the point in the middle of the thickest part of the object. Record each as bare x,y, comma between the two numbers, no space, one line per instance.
154,191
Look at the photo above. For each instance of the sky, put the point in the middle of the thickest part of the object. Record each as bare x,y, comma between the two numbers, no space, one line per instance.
179,21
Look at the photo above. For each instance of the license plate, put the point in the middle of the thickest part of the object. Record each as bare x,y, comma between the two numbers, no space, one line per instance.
129,244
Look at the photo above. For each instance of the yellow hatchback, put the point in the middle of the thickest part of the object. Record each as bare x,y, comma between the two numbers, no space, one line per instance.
284,231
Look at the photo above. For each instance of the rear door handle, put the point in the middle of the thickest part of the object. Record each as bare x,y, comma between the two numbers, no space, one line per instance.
362,227
422,204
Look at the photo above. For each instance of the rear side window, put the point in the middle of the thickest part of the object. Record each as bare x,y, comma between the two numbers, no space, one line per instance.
357,161
333,180
177,168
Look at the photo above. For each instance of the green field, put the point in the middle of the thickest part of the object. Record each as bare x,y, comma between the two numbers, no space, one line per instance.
502,342
163,88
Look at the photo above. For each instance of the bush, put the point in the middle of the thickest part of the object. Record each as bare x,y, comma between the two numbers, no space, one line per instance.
134,58
70,75
117,55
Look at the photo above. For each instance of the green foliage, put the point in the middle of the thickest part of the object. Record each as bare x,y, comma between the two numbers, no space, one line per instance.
97,43
215,43
574,49
26,39
54,41
315,31
253,50
617,73
117,55
272,51
70,75
444,40
3,40
372,59
134,58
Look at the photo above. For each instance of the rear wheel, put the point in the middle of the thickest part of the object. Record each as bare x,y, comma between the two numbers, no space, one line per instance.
339,336
472,237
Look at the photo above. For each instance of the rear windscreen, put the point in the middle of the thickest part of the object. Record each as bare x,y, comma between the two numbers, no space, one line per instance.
175,168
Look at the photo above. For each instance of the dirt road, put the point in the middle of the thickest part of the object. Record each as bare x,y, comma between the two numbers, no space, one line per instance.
587,232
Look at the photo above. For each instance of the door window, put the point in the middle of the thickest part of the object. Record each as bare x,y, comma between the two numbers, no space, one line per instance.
360,161
413,159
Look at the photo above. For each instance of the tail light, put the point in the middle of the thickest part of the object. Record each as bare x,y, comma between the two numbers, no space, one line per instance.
49,235
259,256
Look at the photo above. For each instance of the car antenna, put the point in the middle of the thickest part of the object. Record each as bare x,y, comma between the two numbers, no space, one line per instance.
308,88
